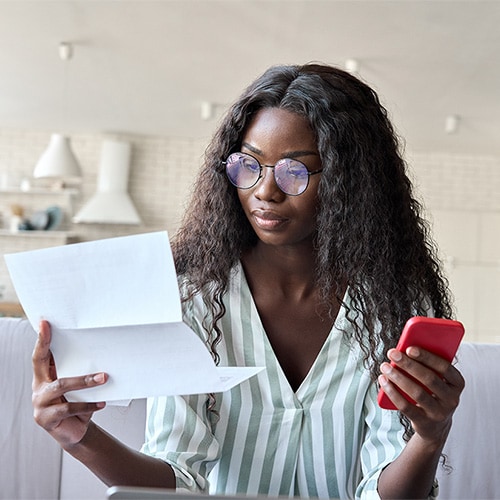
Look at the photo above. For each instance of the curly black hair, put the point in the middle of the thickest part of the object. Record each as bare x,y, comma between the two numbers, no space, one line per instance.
371,233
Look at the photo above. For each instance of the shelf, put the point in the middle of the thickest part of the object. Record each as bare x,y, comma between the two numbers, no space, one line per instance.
42,191
36,198
65,235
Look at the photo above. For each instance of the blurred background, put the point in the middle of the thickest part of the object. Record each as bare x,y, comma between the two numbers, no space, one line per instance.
136,89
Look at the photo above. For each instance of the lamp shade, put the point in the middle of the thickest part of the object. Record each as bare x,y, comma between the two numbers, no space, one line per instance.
58,160
111,204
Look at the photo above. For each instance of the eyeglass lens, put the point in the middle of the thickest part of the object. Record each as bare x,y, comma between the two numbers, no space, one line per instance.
291,176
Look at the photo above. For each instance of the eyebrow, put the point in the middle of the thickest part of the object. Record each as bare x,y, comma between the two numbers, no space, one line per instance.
288,154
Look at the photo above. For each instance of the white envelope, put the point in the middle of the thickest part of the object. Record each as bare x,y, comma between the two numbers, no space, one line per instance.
114,306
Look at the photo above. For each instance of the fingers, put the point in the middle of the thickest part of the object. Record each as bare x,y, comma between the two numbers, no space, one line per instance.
41,357
51,417
395,383
44,374
429,380
56,389
439,365
47,389
388,384
66,421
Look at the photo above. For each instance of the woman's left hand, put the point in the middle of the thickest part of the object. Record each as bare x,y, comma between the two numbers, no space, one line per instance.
431,416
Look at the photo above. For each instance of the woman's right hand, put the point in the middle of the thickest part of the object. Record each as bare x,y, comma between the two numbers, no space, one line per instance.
66,422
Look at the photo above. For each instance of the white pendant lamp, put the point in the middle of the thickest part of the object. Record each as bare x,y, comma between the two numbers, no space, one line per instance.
111,204
58,160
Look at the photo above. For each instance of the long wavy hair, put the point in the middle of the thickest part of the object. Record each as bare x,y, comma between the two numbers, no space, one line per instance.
371,234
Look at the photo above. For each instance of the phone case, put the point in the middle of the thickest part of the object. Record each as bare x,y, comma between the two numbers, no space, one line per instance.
437,335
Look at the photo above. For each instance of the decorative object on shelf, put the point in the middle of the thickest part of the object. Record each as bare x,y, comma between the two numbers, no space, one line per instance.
111,204
17,209
39,220
58,161
16,217
56,216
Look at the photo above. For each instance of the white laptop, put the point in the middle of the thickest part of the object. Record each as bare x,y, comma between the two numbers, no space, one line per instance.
140,493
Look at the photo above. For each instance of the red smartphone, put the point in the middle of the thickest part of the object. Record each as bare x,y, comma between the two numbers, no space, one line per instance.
437,335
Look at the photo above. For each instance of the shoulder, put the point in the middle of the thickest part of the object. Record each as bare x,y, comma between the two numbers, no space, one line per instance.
197,301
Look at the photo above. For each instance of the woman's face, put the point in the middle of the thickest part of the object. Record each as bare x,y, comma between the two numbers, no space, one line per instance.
278,218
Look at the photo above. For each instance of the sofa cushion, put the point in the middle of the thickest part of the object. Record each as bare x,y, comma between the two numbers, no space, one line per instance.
30,459
473,446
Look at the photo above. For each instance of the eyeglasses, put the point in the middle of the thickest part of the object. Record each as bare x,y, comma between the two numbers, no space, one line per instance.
291,176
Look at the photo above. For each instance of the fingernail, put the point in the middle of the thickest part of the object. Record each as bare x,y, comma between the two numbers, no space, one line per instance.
385,368
395,355
413,351
382,380
99,378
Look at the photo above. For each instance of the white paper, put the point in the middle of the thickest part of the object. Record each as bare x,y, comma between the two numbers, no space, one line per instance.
114,307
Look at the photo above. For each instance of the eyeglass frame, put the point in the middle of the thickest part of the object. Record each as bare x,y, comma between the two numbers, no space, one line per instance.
262,166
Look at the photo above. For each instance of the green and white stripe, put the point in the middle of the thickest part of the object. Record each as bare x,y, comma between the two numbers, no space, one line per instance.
328,440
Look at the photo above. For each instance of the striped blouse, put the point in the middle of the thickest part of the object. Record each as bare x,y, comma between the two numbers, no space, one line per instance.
329,439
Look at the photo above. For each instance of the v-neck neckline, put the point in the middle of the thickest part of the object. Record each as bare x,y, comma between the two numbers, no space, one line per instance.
305,383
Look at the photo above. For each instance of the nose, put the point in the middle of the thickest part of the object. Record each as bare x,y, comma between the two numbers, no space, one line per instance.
266,188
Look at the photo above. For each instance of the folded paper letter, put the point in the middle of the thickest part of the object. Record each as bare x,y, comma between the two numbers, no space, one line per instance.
114,306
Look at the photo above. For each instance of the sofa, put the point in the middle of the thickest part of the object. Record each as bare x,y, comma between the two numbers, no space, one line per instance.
32,466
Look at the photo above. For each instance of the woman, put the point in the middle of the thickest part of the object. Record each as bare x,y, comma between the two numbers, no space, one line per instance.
303,250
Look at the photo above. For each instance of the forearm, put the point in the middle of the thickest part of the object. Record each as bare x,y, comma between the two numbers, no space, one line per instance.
412,474
117,464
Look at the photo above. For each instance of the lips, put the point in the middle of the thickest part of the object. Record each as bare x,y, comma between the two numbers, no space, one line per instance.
266,219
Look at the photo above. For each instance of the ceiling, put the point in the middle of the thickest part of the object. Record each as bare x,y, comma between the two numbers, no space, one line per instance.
145,67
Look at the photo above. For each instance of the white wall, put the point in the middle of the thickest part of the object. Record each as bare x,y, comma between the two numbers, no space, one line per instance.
460,193
161,174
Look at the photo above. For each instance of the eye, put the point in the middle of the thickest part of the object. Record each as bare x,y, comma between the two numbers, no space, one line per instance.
250,164
295,168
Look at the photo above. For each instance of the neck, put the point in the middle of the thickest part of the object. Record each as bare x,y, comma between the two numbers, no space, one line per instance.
288,271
